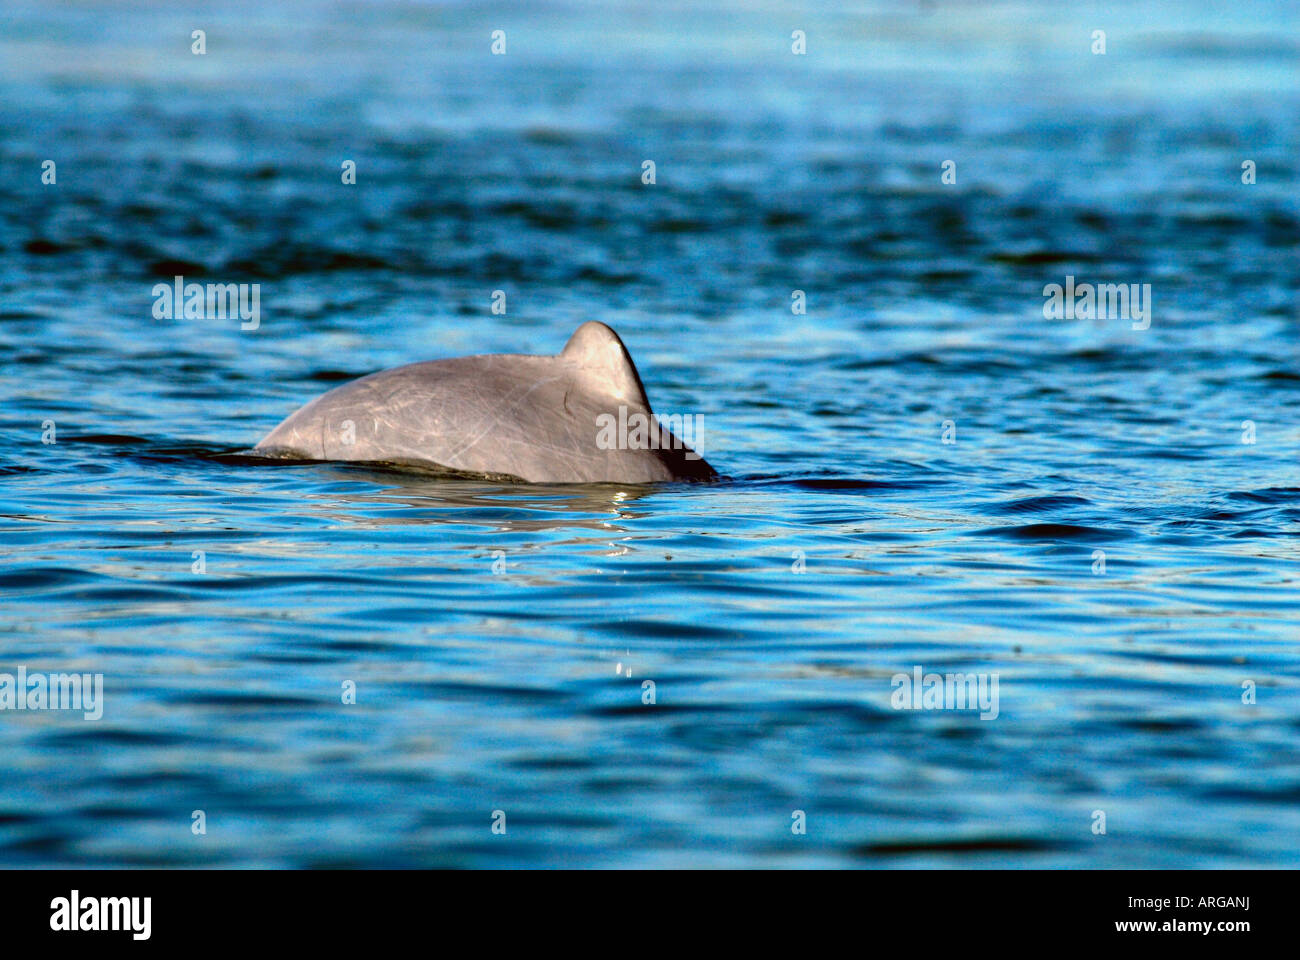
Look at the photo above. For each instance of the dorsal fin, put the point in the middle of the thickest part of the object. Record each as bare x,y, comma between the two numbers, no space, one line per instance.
598,350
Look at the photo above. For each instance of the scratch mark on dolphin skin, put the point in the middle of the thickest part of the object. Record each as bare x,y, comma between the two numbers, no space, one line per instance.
496,419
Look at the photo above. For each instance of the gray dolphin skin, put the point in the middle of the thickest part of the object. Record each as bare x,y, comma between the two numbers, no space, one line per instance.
570,418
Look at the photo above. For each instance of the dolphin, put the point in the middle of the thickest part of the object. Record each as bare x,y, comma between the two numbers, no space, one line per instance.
581,416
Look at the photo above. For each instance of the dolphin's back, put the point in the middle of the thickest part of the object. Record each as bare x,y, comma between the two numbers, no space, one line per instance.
533,418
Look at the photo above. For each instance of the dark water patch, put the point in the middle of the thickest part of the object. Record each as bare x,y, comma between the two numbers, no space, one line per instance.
462,692
45,248
334,376
20,817
1055,531
977,845
1037,258
677,630
295,259
1283,794
558,217
1045,504
345,646
1267,495
680,225
604,277
105,439
122,593
548,137
1113,359
107,738
1170,725
922,360
248,700
42,579
1227,516
636,709
172,268
165,451
554,763
1159,452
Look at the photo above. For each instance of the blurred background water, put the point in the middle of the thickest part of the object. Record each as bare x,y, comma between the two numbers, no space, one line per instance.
521,690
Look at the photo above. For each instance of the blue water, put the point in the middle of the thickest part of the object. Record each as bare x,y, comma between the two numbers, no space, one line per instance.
521,690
